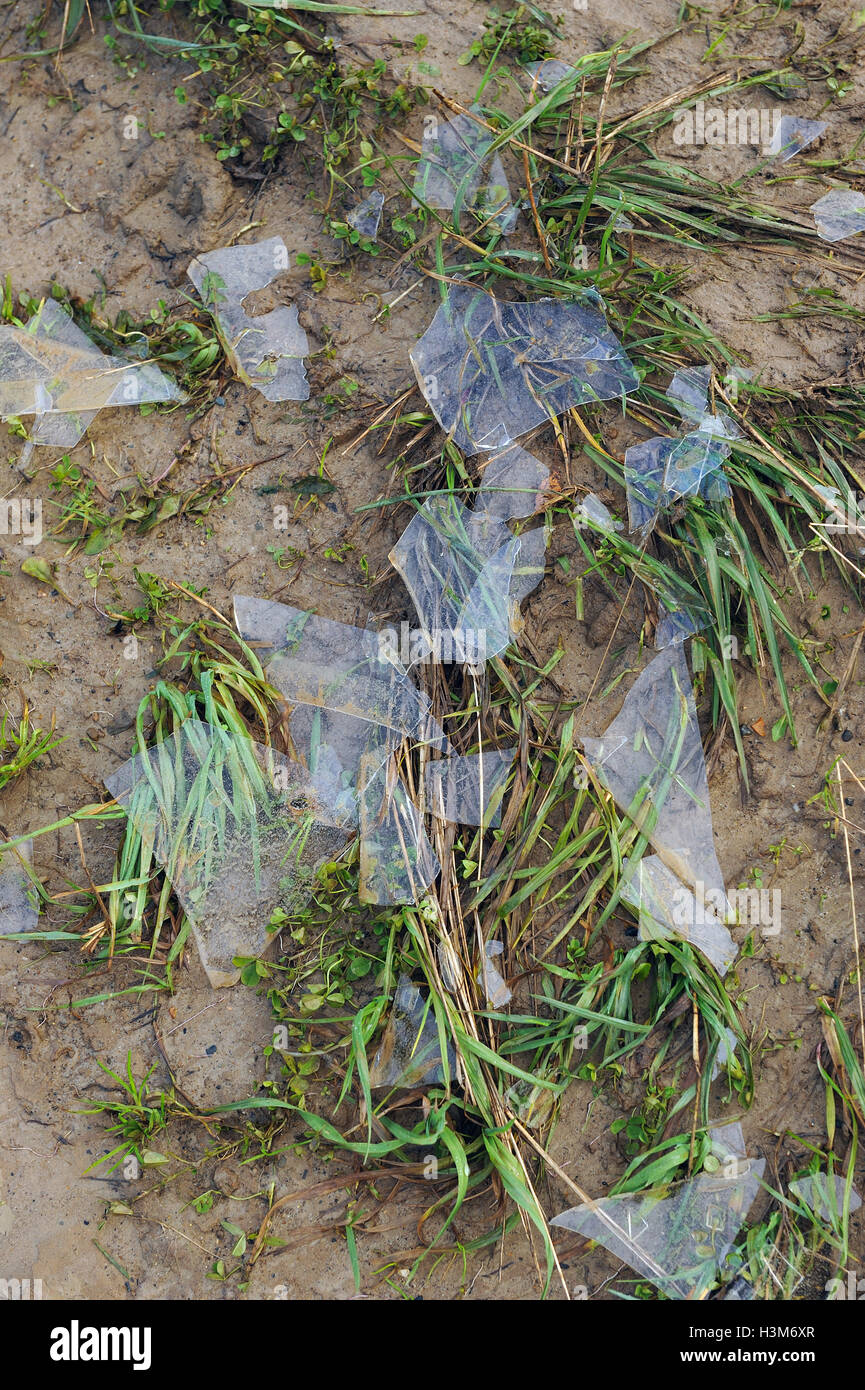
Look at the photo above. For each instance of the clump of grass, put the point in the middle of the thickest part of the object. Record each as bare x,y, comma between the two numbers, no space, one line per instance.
22,745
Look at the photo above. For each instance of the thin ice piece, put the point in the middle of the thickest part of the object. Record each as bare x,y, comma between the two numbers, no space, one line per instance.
824,1194
491,982
491,370
679,624
680,1242
592,512
19,900
455,155
51,369
688,392
266,350
366,217
549,72
459,568
410,1052
514,485
793,134
397,861
651,760
645,466
692,461
333,666
839,214
468,790
238,831
667,909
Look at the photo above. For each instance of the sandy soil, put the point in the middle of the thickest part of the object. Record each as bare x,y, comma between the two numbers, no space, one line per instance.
85,207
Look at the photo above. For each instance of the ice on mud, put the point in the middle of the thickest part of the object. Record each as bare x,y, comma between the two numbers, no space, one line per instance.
549,72
493,369
455,160
266,350
468,790
238,830
667,909
366,217
52,370
19,898
409,1054
651,760
824,1194
793,134
352,705
840,214
680,1237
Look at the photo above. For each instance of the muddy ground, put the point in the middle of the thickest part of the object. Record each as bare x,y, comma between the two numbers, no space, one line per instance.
86,207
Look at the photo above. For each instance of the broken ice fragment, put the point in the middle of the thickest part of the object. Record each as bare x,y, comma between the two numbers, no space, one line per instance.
824,1194
680,1241
678,625
651,760
466,572
491,370
491,982
593,512
793,134
397,861
366,217
238,831
468,790
19,899
691,461
410,1051
51,369
645,466
689,393
267,350
666,908
839,214
333,666
514,485
455,167
549,72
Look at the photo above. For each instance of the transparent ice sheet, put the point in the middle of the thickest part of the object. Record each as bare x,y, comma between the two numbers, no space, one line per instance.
409,1054
266,351
238,831
651,760
491,369
678,1241
468,790
592,510
397,861
824,1194
464,571
839,214
549,72
19,900
666,908
366,217
52,370
793,134
491,982
458,150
